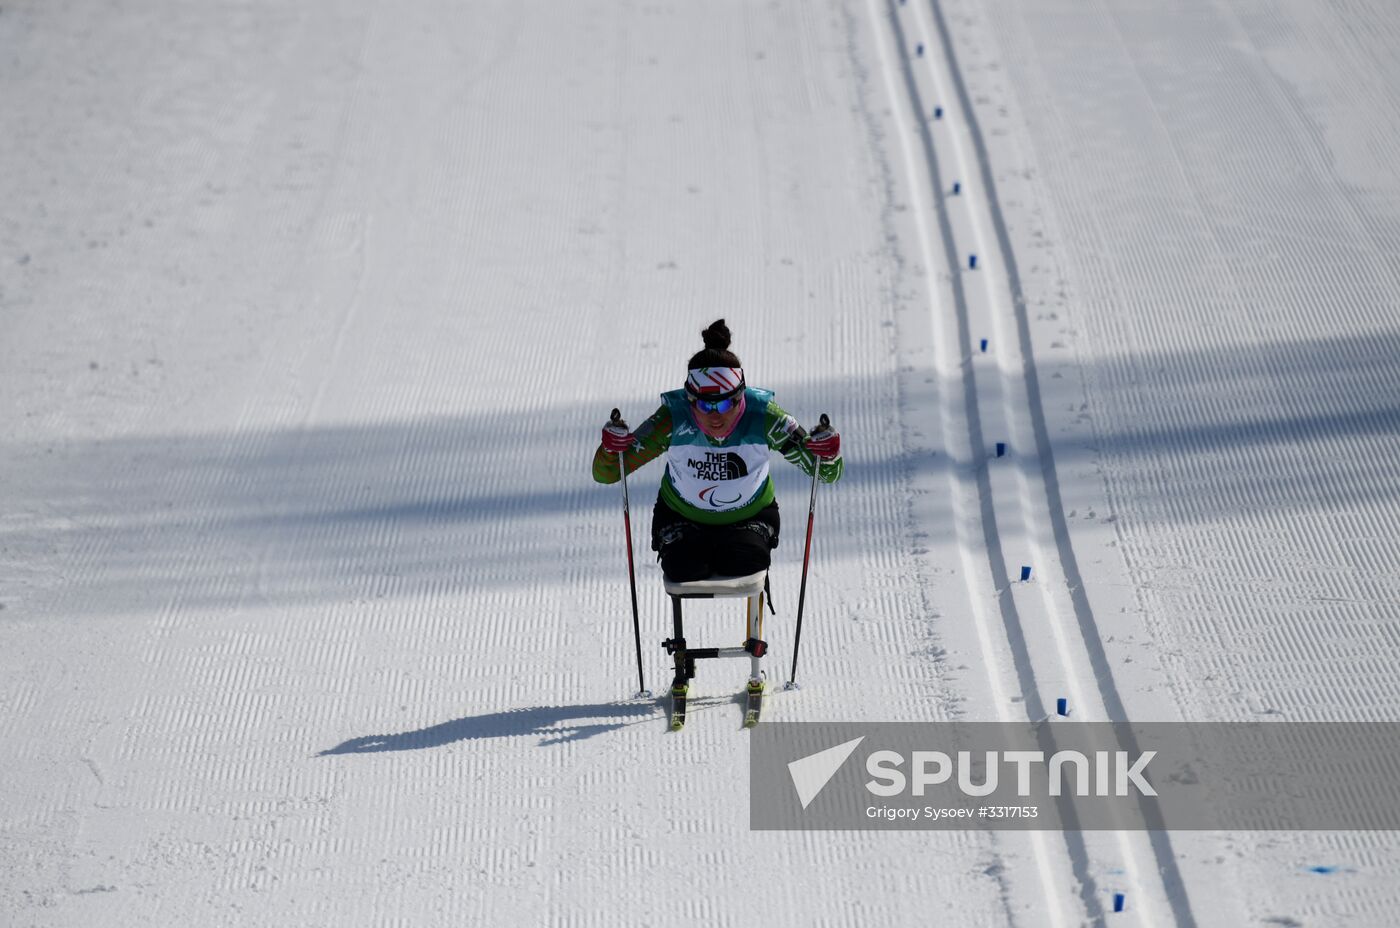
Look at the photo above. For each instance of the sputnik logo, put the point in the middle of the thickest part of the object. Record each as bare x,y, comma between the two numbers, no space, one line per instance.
810,774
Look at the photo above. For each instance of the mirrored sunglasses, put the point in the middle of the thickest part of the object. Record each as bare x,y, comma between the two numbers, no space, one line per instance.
719,406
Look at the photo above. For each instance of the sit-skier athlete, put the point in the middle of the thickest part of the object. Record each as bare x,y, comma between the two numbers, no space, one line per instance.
716,514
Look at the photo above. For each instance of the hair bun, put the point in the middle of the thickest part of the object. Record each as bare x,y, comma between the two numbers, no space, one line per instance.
716,336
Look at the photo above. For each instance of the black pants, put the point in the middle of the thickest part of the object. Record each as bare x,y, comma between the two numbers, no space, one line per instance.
692,551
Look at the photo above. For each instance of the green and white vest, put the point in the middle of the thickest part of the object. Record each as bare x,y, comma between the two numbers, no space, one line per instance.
718,482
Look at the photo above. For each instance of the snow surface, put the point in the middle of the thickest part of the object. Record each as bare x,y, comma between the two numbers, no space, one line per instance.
311,313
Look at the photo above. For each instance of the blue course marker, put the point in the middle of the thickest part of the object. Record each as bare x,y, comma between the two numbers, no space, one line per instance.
1025,573
984,346
938,112
1119,901
972,262
1062,706
1001,449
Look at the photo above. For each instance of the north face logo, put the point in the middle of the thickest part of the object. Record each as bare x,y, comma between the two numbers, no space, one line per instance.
719,465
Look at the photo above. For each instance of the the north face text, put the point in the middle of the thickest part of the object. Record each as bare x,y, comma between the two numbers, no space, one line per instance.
719,465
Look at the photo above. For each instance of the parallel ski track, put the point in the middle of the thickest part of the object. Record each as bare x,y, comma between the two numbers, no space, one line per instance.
976,531
1030,506
1053,506
1281,419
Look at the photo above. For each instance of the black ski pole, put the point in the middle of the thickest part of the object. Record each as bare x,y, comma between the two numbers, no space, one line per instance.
642,692
824,426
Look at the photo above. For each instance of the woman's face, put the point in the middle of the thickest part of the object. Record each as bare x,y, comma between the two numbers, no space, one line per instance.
713,422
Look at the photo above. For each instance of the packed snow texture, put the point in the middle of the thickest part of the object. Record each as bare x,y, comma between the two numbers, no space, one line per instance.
312,615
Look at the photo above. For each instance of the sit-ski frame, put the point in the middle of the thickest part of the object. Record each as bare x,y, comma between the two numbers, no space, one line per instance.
753,588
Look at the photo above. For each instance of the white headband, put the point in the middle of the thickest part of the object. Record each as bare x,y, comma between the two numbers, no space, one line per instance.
703,381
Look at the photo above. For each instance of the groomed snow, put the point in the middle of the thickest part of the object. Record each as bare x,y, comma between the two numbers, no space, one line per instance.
311,313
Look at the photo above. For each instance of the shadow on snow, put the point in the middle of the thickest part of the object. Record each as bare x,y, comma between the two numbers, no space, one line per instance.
442,506
554,725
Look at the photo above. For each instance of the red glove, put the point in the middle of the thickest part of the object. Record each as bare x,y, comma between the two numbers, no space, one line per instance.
617,439
825,445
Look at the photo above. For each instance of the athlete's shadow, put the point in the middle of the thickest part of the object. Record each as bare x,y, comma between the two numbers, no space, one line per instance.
552,723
